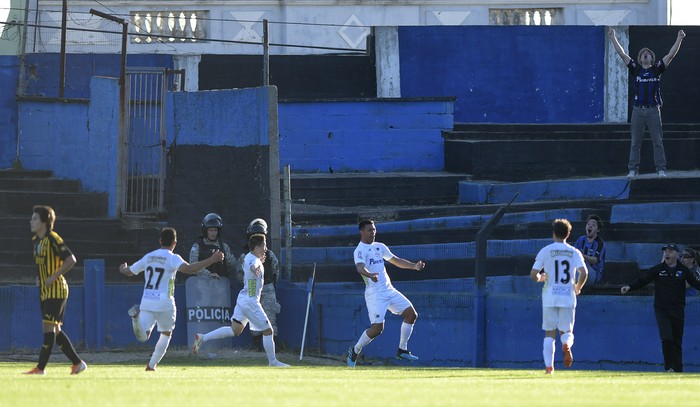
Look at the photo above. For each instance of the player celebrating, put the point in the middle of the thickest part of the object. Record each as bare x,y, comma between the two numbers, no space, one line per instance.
560,262
248,307
158,301
380,295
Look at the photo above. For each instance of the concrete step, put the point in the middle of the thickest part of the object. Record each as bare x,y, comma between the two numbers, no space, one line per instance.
27,174
77,204
26,274
406,188
76,246
95,229
25,257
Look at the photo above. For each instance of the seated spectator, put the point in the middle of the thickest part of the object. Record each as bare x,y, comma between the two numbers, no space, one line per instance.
592,247
690,259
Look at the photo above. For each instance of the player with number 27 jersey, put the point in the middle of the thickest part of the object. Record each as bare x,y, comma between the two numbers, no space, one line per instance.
560,261
160,268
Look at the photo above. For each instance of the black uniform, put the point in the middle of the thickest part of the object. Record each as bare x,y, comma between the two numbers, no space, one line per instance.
669,307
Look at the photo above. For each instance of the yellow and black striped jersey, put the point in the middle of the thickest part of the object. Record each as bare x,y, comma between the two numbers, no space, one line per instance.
49,254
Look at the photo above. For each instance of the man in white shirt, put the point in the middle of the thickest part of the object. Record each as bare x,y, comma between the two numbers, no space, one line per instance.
561,263
158,301
248,307
380,295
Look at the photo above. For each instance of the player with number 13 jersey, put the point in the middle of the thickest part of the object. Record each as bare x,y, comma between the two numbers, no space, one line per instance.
560,260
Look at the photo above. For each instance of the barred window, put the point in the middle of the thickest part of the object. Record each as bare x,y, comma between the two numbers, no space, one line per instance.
526,16
168,26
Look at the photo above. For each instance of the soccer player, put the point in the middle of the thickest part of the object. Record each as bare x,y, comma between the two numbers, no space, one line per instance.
248,307
53,259
158,301
560,262
380,295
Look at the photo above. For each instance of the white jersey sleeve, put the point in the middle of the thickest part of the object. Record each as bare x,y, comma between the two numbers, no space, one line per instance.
560,261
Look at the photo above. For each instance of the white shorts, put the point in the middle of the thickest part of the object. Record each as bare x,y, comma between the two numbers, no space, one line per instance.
561,318
378,303
252,312
164,319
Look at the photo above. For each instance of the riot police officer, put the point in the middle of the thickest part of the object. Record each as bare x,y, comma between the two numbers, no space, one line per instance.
207,243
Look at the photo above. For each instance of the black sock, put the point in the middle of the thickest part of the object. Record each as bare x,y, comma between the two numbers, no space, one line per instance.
46,348
67,347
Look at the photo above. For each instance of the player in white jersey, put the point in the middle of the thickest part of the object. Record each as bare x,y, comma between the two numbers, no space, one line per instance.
158,301
380,295
561,263
248,307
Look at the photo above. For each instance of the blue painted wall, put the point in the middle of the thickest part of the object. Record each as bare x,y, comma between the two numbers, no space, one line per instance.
9,74
513,74
43,70
443,335
364,135
75,139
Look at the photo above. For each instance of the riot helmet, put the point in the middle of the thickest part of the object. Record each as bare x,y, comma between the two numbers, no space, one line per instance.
257,226
212,220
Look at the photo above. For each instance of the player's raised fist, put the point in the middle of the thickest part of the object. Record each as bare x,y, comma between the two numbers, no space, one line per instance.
681,34
420,265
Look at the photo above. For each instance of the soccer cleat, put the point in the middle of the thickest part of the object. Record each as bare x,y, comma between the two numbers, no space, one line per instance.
150,369
405,355
277,363
198,340
632,174
352,356
661,174
568,356
549,370
668,371
36,370
134,311
77,368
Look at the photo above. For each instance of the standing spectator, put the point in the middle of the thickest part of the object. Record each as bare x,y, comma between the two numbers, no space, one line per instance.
268,297
380,295
592,246
561,263
158,300
690,259
647,101
670,278
248,308
209,242
53,259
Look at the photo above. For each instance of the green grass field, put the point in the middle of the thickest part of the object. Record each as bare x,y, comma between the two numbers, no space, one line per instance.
189,381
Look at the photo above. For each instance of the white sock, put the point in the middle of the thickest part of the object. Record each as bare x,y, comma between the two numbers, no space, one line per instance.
568,338
548,351
159,351
362,342
219,333
141,336
406,330
269,345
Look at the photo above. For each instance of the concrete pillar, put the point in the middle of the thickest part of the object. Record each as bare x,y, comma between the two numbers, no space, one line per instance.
190,63
616,78
387,62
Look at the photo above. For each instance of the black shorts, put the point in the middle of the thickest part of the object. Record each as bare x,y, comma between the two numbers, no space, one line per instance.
52,310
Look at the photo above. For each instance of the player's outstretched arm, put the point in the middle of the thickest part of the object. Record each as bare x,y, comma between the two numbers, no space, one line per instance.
124,269
187,268
618,48
405,264
674,49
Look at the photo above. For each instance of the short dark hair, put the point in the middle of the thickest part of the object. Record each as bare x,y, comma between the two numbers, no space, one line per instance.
365,222
168,236
46,215
597,219
561,228
256,240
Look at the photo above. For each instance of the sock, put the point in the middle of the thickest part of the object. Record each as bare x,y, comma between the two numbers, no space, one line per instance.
362,342
548,351
406,330
46,348
159,351
67,348
568,338
219,333
141,336
269,345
